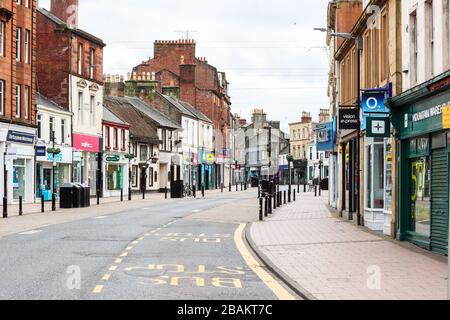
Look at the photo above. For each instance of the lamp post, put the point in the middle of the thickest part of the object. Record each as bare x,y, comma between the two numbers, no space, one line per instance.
130,157
54,152
359,47
290,159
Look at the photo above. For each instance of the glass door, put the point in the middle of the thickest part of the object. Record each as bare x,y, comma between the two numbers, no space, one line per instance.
19,174
420,219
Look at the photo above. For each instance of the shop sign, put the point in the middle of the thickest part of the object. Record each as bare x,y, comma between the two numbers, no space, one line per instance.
20,137
324,136
112,158
11,154
348,119
419,146
378,127
41,151
373,105
210,158
446,117
86,143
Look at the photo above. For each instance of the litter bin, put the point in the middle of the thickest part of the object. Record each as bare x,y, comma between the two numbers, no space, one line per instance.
87,195
77,195
176,189
254,182
66,194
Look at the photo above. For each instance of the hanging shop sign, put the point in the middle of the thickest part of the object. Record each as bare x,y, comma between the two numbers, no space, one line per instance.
446,116
378,127
373,104
348,119
325,136
41,151
20,137
86,143
112,158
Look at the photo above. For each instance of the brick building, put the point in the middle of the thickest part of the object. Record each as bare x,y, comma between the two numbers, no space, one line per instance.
175,70
70,72
17,97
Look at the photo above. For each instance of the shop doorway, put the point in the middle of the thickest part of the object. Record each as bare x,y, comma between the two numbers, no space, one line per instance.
19,176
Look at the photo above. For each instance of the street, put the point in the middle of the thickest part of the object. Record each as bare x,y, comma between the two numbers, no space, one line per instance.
172,250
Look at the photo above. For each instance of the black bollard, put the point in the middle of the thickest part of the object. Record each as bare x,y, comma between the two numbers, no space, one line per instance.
42,204
53,202
143,194
280,199
221,188
121,194
242,186
203,191
304,188
294,196
285,196
194,192
315,191
98,197
266,207
290,196
237,187
165,193
5,208
259,192
269,204
20,206
129,194
261,217
320,191
229,187
274,200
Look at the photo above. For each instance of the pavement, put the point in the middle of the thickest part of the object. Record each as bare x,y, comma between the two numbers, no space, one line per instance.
323,257
140,250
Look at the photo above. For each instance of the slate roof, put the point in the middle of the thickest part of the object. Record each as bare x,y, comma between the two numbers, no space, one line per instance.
186,108
141,126
46,102
152,113
111,117
77,31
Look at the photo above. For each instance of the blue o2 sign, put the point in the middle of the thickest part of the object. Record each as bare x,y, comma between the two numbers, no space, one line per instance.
373,105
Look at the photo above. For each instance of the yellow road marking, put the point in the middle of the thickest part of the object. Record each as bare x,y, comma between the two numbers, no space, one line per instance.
129,248
106,277
141,238
135,242
98,289
118,261
113,268
124,254
276,288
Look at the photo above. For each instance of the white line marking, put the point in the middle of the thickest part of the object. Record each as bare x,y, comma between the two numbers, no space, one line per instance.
27,233
100,217
196,211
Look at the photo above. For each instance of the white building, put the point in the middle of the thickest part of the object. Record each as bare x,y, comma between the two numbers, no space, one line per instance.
318,162
50,118
115,150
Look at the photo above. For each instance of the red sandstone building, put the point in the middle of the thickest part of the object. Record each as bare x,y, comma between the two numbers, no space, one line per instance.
70,72
176,71
17,98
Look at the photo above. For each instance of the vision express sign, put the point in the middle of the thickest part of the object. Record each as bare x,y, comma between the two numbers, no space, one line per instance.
348,119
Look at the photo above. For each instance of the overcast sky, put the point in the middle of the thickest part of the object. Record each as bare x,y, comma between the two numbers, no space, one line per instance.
271,55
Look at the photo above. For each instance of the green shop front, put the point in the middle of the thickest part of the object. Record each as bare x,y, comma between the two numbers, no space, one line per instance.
423,166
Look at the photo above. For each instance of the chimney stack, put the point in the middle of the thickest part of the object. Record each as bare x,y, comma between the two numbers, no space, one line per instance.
66,10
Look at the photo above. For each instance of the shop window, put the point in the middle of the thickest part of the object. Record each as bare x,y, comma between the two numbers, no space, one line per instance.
114,177
388,189
420,196
156,176
134,176
374,181
150,177
143,153
19,178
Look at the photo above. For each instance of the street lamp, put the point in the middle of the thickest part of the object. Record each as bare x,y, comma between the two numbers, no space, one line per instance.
359,47
130,157
54,152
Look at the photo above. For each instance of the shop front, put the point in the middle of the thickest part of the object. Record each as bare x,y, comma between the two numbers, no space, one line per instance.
422,134
46,177
115,174
17,148
86,160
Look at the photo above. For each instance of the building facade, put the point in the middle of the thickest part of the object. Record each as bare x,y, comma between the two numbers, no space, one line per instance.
52,169
17,99
69,71
301,134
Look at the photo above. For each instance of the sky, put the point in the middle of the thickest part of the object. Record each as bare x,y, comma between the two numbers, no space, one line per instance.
273,58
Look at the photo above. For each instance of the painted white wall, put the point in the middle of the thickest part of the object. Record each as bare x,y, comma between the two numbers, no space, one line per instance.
441,56
85,120
45,114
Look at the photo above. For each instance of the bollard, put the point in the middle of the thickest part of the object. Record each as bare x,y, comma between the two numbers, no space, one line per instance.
280,199
320,191
221,188
290,196
5,208
237,187
194,192
294,196
269,204
129,194
165,193
266,207
298,187
304,188
315,191
261,218
20,206
285,197
53,202
143,194
259,192
203,191
229,187
121,194
242,186
98,197
274,200
42,204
